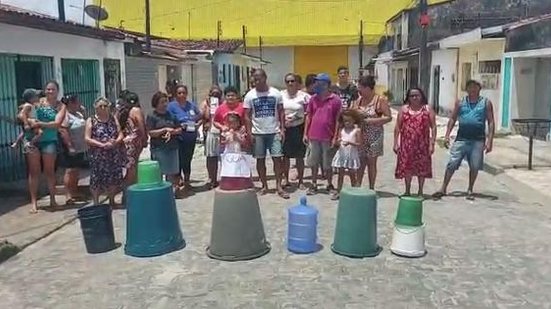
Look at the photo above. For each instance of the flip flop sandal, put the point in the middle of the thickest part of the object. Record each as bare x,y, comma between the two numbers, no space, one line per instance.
438,195
283,195
312,191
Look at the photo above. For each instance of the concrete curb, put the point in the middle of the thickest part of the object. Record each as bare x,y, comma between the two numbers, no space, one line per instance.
19,248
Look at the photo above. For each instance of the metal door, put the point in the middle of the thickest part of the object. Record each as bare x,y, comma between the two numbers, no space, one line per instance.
17,72
81,78
112,76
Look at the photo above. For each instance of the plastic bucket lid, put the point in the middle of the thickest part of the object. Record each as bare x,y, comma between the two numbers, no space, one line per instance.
410,211
149,172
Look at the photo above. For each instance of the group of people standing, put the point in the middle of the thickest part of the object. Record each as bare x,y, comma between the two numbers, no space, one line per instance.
336,128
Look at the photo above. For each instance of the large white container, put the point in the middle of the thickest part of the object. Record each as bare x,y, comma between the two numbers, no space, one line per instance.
408,241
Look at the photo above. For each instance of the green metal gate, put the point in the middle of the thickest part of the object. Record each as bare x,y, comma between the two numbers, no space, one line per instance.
17,72
81,78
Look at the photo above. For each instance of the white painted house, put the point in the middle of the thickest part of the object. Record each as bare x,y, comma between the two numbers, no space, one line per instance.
477,55
86,61
526,91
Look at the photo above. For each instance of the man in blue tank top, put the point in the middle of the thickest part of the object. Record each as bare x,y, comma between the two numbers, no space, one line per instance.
473,111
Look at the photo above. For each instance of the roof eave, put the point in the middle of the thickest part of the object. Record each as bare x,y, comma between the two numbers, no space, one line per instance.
54,25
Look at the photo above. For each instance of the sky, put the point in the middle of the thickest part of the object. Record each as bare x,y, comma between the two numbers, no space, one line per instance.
73,8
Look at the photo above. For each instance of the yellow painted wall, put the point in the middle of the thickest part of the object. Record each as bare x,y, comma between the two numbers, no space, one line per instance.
318,59
279,22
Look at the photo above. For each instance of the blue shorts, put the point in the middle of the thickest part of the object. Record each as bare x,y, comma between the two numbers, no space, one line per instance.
48,147
264,143
168,159
473,151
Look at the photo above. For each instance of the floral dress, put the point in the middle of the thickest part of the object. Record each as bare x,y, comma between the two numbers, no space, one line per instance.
132,143
106,168
414,157
372,143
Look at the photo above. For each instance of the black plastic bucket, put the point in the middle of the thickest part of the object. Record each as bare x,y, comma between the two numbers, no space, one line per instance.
96,224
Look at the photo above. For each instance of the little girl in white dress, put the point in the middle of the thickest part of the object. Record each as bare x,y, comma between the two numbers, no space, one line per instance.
235,171
347,158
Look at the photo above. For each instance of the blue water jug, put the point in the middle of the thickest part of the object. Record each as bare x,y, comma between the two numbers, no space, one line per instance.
302,233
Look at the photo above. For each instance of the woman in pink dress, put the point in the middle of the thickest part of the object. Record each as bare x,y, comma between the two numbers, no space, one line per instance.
414,139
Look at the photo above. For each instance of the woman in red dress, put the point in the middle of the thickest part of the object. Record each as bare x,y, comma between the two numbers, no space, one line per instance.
414,139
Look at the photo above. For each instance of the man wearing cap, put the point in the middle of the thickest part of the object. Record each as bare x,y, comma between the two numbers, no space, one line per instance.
473,111
320,131
265,122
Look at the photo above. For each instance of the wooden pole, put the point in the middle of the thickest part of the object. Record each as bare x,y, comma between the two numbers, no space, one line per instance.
424,63
361,49
147,27
244,33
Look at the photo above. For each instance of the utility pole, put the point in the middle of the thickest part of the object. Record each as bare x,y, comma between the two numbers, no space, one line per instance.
189,25
61,9
244,33
147,27
260,49
361,49
218,32
424,64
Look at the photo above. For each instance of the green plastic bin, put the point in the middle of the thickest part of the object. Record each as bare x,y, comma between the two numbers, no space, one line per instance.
356,227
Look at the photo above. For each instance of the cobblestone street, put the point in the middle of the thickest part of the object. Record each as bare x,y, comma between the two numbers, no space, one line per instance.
492,252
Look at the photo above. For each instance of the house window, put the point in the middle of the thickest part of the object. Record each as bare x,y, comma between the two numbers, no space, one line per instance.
466,70
489,67
224,73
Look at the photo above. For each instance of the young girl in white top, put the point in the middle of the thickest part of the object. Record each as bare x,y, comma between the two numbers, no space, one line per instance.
347,159
235,172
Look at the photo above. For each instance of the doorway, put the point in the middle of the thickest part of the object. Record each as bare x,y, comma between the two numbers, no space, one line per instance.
112,76
436,89
28,74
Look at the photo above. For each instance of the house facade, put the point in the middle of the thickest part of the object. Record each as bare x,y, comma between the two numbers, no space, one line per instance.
449,19
93,66
526,91
477,55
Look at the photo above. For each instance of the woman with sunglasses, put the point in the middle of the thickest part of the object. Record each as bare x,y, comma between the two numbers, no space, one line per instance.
104,137
294,103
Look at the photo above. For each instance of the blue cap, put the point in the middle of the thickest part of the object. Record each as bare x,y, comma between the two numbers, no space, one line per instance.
324,77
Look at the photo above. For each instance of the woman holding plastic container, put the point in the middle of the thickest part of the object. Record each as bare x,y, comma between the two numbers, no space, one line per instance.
189,117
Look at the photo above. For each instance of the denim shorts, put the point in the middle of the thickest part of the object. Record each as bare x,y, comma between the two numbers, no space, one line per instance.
264,143
168,160
321,154
473,151
48,147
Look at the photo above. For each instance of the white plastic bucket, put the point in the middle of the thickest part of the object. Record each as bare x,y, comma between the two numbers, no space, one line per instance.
408,241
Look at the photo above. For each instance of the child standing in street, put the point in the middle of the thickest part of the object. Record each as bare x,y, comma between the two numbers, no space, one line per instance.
235,171
347,159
